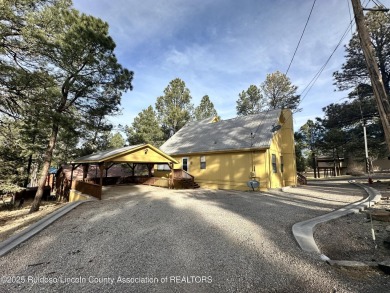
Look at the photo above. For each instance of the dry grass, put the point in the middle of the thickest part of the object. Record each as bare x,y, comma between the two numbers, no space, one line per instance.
15,220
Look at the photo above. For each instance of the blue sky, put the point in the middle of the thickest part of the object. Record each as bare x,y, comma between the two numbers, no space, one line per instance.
221,47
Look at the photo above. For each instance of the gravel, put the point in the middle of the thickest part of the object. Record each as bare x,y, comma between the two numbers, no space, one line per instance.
160,240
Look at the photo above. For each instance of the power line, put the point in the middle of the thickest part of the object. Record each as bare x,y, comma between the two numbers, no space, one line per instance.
300,39
310,85
317,75
350,16
380,4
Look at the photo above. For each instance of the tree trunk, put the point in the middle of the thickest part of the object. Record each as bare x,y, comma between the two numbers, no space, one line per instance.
46,165
28,171
29,162
314,164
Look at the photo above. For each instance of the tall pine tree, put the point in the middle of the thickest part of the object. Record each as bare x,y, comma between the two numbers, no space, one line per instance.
205,109
174,108
145,129
69,57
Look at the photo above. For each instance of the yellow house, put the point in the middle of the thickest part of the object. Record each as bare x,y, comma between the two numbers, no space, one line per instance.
227,154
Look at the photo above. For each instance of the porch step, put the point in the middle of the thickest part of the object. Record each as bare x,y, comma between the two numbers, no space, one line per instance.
189,184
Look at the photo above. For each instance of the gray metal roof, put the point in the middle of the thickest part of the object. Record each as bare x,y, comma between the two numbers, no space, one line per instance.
101,156
231,134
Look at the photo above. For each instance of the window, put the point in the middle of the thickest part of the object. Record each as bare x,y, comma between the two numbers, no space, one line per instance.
274,167
281,164
203,162
163,167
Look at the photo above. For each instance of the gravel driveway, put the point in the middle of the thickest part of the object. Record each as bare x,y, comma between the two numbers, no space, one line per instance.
147,239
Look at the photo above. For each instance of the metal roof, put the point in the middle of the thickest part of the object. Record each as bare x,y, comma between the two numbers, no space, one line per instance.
232,134
106,156
101,156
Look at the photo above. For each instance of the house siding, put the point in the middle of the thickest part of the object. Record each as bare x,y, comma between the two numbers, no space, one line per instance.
282,144
232,169
227,170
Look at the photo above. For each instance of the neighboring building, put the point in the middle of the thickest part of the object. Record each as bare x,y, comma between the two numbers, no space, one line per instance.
227,154
329,166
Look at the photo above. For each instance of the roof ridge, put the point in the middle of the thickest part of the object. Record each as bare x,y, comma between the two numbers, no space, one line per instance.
229,134
249,115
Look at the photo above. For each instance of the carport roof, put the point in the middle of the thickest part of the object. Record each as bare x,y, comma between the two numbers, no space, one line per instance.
115,155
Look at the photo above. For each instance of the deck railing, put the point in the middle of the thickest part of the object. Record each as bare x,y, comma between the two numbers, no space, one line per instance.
182,174
157,181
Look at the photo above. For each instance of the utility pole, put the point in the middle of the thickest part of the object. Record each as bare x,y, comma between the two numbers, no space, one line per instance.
373,70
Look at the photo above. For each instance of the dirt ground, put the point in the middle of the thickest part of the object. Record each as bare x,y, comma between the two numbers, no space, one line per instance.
353,240
15,220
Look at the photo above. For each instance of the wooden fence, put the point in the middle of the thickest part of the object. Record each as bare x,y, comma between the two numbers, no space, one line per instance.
88,188
157,181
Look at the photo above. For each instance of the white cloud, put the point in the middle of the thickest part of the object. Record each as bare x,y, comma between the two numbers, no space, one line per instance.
220,47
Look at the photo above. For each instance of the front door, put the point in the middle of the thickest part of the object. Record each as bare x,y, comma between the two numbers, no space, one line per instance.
186,164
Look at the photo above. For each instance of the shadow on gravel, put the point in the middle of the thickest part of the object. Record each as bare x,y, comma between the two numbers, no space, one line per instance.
331,187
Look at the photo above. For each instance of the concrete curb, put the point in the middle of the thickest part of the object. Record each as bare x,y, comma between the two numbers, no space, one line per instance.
303,231
33,229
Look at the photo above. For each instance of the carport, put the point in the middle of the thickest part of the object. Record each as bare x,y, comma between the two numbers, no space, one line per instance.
145,154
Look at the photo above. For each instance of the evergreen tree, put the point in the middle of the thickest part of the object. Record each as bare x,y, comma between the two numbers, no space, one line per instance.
250,101
145,129
116,140
70,56
174,108
354,71
361,106
19,78
205,109
280,92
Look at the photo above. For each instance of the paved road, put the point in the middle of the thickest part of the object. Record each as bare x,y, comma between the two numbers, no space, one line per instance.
146,239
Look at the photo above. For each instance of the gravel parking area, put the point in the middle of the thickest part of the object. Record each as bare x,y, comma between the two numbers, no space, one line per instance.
147,239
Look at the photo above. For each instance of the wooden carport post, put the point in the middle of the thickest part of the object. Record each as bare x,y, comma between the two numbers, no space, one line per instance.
85,171
132,167
74,166
108,167
170,177
101,168
150,167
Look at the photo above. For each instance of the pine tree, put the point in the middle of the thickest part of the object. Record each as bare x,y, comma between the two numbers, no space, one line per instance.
71,56
280,93
145,129
250,101
205,109
174,108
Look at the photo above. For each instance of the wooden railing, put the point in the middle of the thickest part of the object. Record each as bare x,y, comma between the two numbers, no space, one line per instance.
89,188
106,180
182,179
301,179
181,174
157,181
134,179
